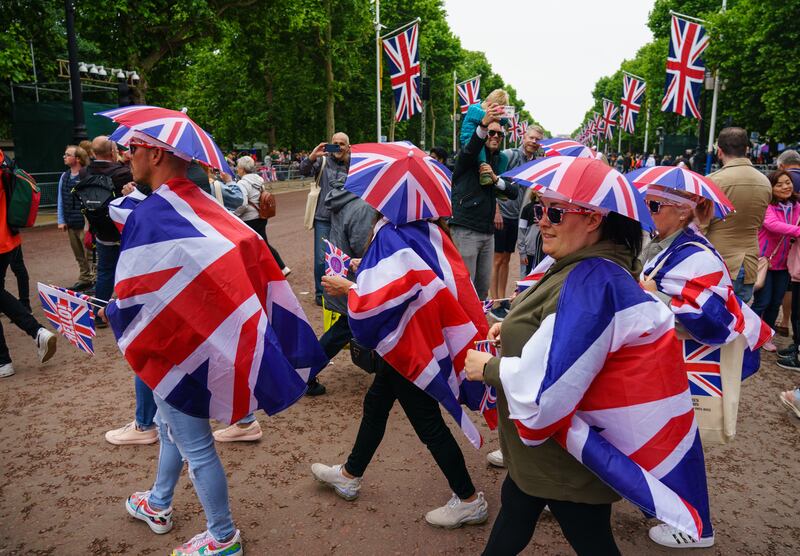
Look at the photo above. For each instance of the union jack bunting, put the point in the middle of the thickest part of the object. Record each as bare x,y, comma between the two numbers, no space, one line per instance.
402,51
336,261
415,305
204,316
70,315
685,68
631,102
468,93
579,380
609,118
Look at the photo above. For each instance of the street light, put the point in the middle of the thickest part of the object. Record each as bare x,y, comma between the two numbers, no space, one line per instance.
709,80
102,72
134,77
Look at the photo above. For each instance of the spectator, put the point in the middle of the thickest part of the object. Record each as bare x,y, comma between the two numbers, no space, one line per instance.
439,154
736,237
330,170
476,112
789,161
476,186
530,242
86,145
70,216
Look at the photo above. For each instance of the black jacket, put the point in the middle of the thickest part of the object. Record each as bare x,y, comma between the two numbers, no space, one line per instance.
120,175
473,203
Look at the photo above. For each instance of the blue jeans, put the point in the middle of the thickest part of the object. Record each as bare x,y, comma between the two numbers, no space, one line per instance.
743,291
145,404
188,438
107,257
769,298
321,230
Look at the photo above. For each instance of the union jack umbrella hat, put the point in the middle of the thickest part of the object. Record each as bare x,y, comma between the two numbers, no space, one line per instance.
400,181
587,182
172,128
681,179
565,147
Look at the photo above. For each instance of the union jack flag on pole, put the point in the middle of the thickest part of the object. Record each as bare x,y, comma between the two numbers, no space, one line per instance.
631,102
523,129
468,93
514,128
685,68
609,118
70,315
402,51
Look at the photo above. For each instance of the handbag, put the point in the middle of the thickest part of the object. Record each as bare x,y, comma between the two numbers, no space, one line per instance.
763,266
313,198
793,258
366,358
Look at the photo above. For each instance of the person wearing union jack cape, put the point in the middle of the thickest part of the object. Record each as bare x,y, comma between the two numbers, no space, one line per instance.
720,334
593,402
206,319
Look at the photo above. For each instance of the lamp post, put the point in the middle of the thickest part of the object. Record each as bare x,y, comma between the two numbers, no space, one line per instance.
78,123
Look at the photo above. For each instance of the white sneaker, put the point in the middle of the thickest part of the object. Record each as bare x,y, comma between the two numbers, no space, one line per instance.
333,477
286,271
6,370
496,458
456,513
45,345
669,536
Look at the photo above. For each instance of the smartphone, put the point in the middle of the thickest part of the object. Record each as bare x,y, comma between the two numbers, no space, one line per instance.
508,112
332,148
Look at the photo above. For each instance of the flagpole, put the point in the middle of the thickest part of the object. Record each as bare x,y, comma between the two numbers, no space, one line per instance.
454,110
646,126
712,128
378,69
423,75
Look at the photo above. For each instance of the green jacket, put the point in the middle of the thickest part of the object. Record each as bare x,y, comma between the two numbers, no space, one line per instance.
547,470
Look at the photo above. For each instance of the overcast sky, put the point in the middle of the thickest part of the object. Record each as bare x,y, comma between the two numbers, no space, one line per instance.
552,53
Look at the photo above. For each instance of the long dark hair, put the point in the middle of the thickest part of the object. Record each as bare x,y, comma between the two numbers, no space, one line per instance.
773,180
622,231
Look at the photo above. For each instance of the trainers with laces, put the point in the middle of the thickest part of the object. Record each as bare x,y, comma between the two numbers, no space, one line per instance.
160,521
315,388
499,313
456,513
45,345
789,362
495,458
333,477
205,544
235,433
788,350
669,536
130,434
6,370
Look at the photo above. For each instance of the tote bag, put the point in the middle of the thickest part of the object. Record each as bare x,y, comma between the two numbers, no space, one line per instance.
313,198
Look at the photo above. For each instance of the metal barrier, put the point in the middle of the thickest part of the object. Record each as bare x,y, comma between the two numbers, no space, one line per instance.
281,172
48,185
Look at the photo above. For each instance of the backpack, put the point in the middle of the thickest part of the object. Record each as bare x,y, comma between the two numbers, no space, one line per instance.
95,192
266,205
22,196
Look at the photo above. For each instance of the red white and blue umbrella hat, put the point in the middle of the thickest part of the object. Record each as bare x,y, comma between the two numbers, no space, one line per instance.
586,182
684,180
565,147
170,127
400,181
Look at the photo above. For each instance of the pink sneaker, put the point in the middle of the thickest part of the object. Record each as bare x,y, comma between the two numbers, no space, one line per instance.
235,433
206,545
769,346
160,521
129,434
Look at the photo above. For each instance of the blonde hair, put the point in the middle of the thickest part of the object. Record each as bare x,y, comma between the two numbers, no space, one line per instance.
498,96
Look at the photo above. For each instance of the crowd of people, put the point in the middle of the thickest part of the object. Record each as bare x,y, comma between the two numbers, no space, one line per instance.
493,220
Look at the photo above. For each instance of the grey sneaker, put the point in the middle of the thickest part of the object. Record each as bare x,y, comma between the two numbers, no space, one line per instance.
456,513
333,477
495,458
45,345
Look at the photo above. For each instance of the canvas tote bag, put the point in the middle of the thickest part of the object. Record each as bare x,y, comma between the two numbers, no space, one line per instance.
313,198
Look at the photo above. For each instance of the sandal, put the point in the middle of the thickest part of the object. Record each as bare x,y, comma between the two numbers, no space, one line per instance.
791,399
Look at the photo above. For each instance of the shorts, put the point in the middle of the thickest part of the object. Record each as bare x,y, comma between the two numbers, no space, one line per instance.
505,240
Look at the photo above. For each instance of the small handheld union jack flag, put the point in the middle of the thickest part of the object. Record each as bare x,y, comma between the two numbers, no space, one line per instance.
468,93
336,261
70,315
487,306
402,51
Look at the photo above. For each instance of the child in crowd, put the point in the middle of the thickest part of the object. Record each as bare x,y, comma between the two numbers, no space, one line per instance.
475,114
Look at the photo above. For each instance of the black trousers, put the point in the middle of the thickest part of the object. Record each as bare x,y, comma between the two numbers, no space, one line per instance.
587,527
15,311
336,337
259,225
426,418
794,287
17,264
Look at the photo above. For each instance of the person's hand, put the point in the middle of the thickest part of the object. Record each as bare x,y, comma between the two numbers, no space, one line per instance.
498,219
493,114
649,285
101,314
62,227
319,150
128,188
336,285
487,169
226,178
523,259
494,333
354,264
474,364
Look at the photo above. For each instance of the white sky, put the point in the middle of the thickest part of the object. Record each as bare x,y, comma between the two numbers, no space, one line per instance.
552,53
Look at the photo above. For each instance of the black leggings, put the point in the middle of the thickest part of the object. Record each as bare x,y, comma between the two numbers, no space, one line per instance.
426,418
259,225
587,527
17,264
794,287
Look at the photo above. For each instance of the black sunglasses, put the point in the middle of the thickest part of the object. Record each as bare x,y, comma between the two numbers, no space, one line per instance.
554,214
655,206
495,133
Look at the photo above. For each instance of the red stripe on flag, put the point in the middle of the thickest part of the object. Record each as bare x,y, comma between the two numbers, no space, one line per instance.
664,442
248,339
144,283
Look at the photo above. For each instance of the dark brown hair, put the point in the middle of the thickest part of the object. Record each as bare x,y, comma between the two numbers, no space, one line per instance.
733,141
773,180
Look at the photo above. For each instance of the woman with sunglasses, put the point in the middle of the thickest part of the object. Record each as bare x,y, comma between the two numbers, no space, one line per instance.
557,357
685,271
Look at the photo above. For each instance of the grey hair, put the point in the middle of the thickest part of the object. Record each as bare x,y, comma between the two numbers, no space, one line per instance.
789,157
247,164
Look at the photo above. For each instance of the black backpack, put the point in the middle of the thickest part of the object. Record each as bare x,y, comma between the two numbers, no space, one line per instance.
95,192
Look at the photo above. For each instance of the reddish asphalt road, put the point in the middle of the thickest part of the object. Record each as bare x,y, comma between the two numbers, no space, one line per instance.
63,486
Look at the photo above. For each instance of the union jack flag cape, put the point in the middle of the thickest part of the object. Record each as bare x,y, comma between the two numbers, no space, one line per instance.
702,299
685,69
631,102
204,315
415,305
402,51
469,93
70,314
603,377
